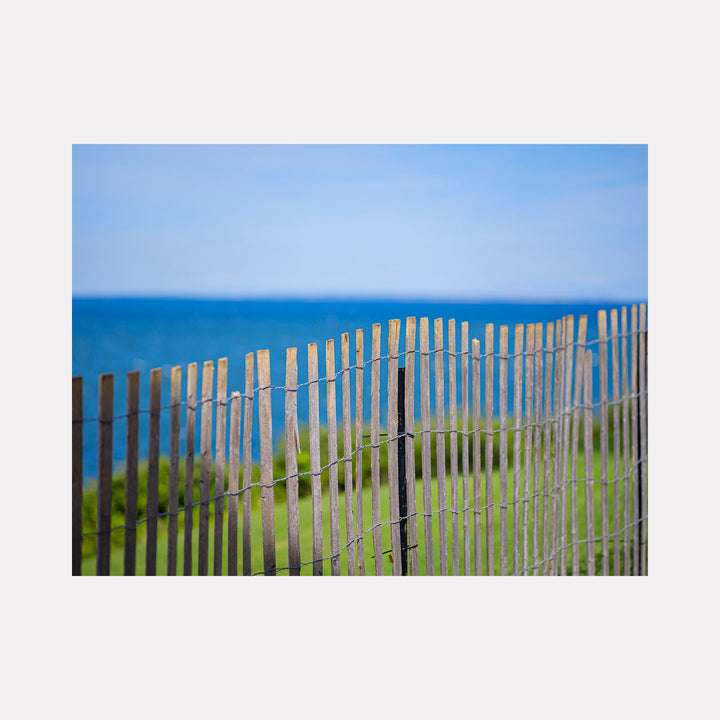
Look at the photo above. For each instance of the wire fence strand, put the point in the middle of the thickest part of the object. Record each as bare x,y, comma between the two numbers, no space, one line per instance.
449,353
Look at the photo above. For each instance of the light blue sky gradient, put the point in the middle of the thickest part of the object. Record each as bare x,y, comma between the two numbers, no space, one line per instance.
531,222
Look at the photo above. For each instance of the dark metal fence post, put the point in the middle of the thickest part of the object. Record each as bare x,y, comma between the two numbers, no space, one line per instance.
402,480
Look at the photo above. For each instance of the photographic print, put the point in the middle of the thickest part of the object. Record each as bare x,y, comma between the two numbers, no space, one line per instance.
360,360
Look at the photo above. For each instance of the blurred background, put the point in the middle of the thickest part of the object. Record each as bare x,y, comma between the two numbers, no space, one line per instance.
187,253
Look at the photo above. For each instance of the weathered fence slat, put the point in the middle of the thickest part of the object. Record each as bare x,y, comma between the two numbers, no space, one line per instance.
413,560
77,474
267,490
604,445
560,328
205,466
131,471
616,439
489,489
567,408
359,365
375,446
555,452
626,441
464,393
440,445
517,442
234,482
347,451
174,473
537,445
247,462
426,440
477,458
527,471
642,401
220,439
189,467
291,464
550,327
315,477
452,407
153,468
502,447
556,449
105,454
589,456
392,432
634,436
577,399
333,489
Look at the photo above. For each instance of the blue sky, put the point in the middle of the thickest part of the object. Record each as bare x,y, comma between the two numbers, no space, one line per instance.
532,222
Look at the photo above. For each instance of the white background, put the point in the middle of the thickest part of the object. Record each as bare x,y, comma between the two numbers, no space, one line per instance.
82,72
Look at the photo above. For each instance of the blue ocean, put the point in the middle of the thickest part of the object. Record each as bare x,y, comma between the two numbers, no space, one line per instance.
120,335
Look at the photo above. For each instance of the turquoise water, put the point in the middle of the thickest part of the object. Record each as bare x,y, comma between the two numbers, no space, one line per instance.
120,335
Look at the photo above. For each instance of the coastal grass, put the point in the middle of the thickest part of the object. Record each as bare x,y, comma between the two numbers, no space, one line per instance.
305,510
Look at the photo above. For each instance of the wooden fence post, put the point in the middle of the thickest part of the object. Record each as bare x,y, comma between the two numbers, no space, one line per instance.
426,440
440,445
359,364
247,462
634,432
550,327
477,458
332,458
189,466
402,471
503,382
292,443
589,457
205,466
527,473
517,441
267,491
489,487
616,439
375,447
347,452
604,446
153,473
174,473
131,471
413,561
627,471
465,410
315,478
220,439
234,482
642,402
452,408
105,455
77,474
537,445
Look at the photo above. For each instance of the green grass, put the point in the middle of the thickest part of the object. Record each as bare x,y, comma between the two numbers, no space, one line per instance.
305,511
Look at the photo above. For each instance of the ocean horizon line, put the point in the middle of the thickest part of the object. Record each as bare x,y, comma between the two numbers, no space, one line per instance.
460,300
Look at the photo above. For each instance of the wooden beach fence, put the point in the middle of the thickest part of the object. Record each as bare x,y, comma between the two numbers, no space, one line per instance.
490,460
